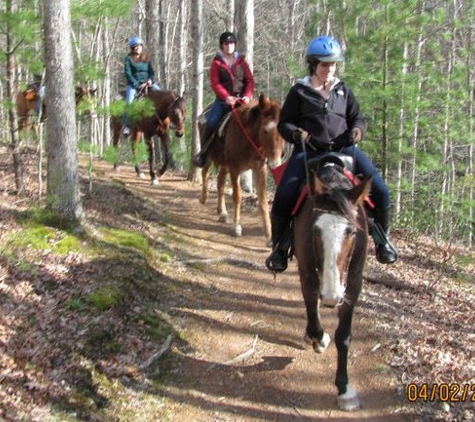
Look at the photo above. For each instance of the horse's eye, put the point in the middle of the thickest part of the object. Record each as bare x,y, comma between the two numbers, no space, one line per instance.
351,231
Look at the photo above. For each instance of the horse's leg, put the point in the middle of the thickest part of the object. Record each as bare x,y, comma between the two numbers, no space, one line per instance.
314,333
237,201
116,127
204,186
261,185
166,153
151,159
221,206
347,397
134,140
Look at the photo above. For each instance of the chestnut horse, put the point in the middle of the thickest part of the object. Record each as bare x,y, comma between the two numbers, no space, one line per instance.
169,110
250,141
330,241
26,103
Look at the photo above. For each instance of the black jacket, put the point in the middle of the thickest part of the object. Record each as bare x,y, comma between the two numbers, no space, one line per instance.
324,120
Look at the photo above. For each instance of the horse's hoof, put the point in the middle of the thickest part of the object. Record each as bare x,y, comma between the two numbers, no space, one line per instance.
203,201
348,401
238,231
318,346
140,175
154,182
223,218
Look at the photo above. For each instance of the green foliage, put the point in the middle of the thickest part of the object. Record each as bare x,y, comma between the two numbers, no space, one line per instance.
105,297
39,233
95,9
86,147
126,239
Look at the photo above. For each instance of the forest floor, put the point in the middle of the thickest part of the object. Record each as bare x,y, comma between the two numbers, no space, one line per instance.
159,314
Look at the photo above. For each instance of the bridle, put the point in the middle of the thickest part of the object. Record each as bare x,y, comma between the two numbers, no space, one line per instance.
246,133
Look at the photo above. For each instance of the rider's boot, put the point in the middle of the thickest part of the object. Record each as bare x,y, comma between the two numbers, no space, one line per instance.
199,160
277,260
386,253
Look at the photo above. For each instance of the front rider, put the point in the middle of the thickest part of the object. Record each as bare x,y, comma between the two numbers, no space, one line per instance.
231,80
139,74
321,111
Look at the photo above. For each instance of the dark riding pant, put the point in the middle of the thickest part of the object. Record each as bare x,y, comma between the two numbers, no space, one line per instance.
216,113
294,176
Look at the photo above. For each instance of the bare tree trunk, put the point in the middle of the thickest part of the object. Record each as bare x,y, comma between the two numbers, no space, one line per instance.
197,35
105,93
182,48
12,115
244,22
402,120
152,22
63,170
162,42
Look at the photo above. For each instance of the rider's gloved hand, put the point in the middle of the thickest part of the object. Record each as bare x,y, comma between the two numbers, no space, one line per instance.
245,100
341,141
300,136
356,135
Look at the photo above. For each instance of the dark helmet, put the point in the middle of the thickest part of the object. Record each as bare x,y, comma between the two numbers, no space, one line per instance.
324,49
227,36
135,41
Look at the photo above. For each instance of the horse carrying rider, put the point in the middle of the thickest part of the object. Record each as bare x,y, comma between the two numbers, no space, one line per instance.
139,74
322,112
233,83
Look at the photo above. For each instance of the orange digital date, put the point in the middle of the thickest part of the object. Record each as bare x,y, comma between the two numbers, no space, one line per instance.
443,392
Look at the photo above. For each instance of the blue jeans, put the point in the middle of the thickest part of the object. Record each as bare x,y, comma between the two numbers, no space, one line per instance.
294,176
217,112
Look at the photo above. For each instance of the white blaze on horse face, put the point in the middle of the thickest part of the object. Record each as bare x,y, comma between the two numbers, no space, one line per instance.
332,229
270,126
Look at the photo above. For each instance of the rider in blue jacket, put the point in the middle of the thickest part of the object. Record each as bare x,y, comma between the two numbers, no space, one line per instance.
321,111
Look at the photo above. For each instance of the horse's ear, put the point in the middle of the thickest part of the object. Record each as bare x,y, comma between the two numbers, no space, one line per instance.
263,102
361,191
316,186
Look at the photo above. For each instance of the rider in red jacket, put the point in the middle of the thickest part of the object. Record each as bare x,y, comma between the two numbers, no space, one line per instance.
231,80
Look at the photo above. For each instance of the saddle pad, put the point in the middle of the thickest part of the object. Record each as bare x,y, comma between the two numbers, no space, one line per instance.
222,125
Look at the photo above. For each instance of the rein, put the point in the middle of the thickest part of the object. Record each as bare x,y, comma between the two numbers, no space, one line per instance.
245,132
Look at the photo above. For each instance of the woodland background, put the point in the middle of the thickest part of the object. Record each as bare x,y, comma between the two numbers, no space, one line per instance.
410,64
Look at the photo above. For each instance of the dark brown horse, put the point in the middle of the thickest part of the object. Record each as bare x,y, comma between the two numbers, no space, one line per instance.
330,242
27,99
169,110
250,141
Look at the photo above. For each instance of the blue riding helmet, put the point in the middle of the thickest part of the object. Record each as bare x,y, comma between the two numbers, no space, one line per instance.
135,41
325,49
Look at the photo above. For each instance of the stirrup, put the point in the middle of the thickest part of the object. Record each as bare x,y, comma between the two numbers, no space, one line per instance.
277,260
199,160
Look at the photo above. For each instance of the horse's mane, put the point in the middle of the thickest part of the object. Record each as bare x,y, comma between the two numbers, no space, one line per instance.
337,186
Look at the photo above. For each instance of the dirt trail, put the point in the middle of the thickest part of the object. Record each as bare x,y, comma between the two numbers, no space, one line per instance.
246,360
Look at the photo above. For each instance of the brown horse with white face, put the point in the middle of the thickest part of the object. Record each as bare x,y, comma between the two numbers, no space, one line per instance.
330,242
250,141
169,111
